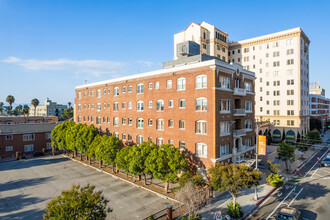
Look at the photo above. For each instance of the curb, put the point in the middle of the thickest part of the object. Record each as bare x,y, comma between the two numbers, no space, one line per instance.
265,197
117,177
306,161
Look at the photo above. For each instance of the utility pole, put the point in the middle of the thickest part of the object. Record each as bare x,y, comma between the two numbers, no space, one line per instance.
256,189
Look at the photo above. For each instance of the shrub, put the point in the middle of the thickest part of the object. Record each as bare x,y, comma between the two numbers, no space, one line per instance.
198,180
275,180
192,216
237,213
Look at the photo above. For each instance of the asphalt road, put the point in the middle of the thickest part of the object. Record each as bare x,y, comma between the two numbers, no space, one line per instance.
26,187
310,193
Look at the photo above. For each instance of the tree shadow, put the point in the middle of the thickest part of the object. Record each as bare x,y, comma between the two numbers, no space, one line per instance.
18,184
18,202
31,214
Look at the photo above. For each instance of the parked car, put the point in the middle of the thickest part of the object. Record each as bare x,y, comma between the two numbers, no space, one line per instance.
326,162
288,214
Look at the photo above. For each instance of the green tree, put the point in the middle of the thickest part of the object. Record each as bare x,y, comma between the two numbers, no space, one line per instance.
313,137
18,110
35,102
123,159
93,147
198,180
1,107
272,167
69,104
68,113
59,133
232,178
10,99
72,137
165,163
108,149
285,152
25,110
79,203
86,136
315,124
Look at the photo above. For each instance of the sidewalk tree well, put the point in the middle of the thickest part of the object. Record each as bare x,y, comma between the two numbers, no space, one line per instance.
107,150
165,163
285,153
81,202
232,178
86,136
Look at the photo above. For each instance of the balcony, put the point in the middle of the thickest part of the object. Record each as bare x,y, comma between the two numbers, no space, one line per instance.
239,133
239,91
239,112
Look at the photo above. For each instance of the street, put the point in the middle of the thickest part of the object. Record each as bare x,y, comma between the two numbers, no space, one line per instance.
309,193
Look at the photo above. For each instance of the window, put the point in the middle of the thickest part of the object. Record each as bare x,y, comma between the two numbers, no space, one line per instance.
261,109
224,128
139,106
276,93
140,89
276,53
237,82
92,93
225,106
116,91
98,93
9,148
28,137
108,91
123,136
150,86
129,105
150,122
115,106
79,107
129,88
248,124
248,106
98,120
182,145
181,84
289,51
123,105
290,112
201,150
171,142
182,103
150,104
139,123
276,102
130,121
201,127
170,103
170,123
79,95
159,141
92,119
156,85
201,104
224,149
276,63
48,135
248,142
276,83
201,82
248,86
160,124
116,134
224,82
115,121
129,137
98,107
290,92
290,102
169,84
290,122
9,137
160,105
289,41
182,125
124,89
290,61
105,105
139,139
28,148
123,121
276,112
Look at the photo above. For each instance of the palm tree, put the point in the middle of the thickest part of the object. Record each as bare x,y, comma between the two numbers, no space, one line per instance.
35,102
25,110
1,107
10,99
69,104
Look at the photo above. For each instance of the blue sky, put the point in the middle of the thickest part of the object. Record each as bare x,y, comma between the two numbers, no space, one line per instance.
49,47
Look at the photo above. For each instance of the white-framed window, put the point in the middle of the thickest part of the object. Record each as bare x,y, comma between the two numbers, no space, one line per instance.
123,105
9,148
150,86
159,141
225,106
150,122
28,137
108,119
182,145
248,106
182,103
156,85
129,105
224,82
48,145
224,149
139,139
160,105
248,124
92,94
124,89
98,93
201,82
104,105
115,106
170,123
201,104
129,89
116,134
28,148
171,142
109,91
129,137
181,84
79,95
123,136
123,121
139,123
98,120
201,127
160,124
150,104
170,103
48,135
104,119
201,150
290,61
140,88
9,137
115,121
169,84
139,106
98,107
92,119
182,125
79,119
116,91
79,107
248,86
130,121
224,128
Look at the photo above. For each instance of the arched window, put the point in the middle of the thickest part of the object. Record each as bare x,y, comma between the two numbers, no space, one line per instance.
160,124
124,89
160,105
201,82
201,104
98,120
139,106
201,150
116,134
159,141
201,127
150,104
182,103
181,84
129,88
115,121
139,139
140,88
116,91
139,123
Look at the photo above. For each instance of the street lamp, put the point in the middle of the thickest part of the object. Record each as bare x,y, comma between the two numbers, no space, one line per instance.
256,189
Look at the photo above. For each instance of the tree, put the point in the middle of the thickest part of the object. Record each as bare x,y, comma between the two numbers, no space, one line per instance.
93,147
302,148
72,137
165,163
86,136
123,158
25,110
35,103
272,167
78,203
108,149
197,179
315,124
285,152
283,135
68,113
59,133
313,136
18,110
69,104
232,178
190,198
10,99
1,107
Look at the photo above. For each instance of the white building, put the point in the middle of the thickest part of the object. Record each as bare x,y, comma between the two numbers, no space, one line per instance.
48,109
281,64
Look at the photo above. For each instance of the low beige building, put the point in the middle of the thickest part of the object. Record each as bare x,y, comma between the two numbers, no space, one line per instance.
48,109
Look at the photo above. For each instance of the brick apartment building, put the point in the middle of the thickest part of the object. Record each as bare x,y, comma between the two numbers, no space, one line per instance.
28,119
26,139
198,103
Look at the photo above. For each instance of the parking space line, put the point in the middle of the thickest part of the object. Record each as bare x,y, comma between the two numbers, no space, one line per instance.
314,172
279,204
295,197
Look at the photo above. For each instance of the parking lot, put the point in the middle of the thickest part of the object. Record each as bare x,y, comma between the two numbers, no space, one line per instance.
26,187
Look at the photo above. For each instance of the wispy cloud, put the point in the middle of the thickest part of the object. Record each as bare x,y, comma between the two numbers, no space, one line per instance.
146,63
93,67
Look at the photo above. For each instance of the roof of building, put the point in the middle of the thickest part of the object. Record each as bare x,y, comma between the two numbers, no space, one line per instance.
26,128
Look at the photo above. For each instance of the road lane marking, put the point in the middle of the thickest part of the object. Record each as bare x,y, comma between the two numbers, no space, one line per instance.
279,204
315,164
314,172
295,197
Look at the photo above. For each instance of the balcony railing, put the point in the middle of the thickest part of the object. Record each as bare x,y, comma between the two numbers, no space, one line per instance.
239,91
239,133
239,112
